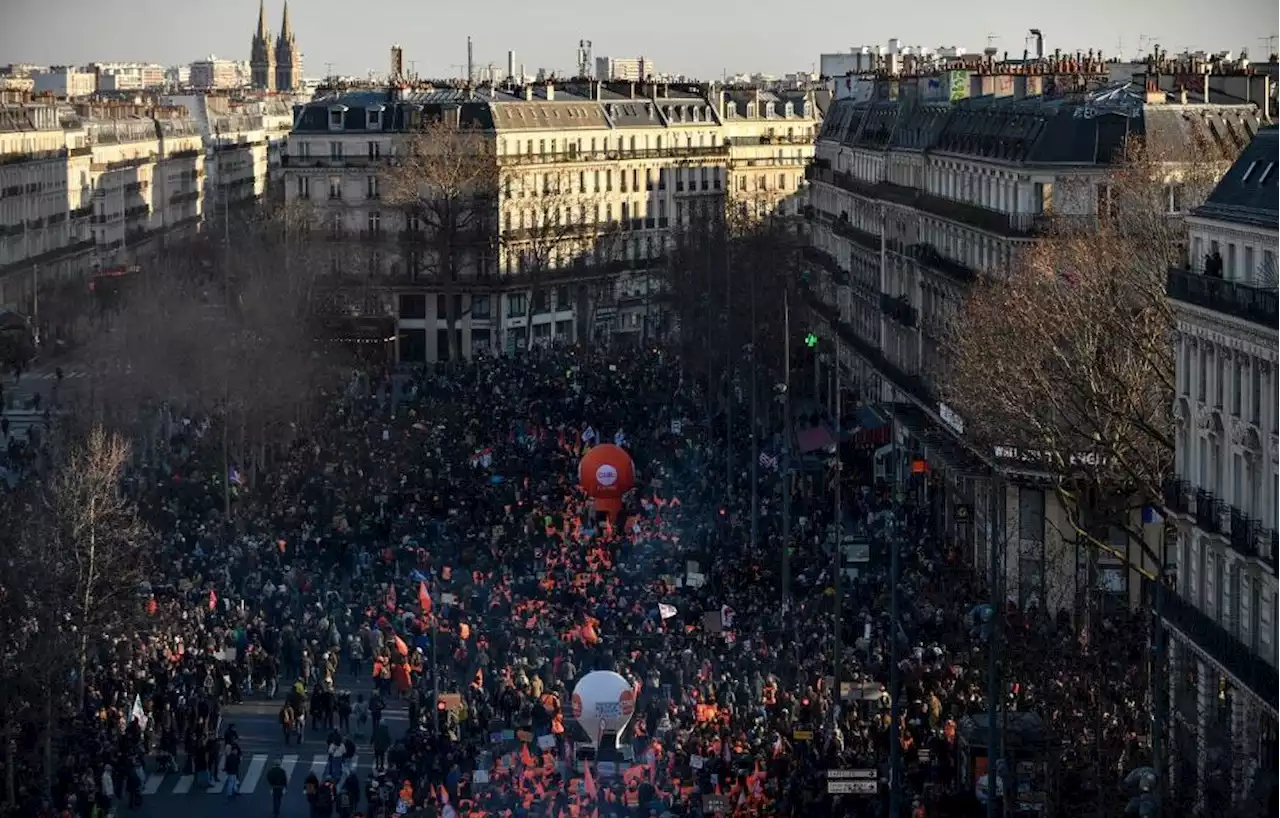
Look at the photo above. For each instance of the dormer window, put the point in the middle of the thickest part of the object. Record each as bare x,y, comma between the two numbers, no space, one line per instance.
336,114
374,119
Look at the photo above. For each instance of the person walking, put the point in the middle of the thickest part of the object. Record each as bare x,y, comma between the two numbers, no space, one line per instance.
278,779
232,769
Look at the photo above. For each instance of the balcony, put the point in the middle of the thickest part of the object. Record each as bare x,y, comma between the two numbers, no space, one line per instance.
1177,496
49,256
1217,642
31,156
706,152
81,212
1009,225
121,164
83,150
1257,305
138,211
1208,512
184,197
1245,533
929,256
898,308
821,258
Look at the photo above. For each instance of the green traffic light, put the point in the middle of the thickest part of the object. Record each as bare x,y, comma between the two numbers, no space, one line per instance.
811,340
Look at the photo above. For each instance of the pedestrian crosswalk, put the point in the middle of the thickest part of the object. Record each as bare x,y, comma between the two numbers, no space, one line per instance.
20,422
253,774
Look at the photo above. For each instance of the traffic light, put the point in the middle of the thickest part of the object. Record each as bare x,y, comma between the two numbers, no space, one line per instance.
811,339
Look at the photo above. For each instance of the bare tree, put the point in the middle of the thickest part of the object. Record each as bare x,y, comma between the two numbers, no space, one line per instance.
97,548
561,227
444,178
1068,358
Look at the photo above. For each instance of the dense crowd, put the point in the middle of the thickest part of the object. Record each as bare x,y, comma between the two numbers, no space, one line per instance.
429,534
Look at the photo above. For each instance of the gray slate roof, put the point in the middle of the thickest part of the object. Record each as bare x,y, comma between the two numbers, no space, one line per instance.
1248,194
1082,130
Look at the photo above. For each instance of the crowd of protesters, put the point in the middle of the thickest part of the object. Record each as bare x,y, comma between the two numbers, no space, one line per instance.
429,533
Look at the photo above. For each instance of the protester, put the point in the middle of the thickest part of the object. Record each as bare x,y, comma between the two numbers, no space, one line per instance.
429,534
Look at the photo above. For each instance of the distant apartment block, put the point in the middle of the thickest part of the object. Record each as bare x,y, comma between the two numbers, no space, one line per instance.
88,186
215,74
64,81
129,76
624,69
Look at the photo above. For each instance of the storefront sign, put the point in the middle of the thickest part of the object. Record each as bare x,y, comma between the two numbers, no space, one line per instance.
951,418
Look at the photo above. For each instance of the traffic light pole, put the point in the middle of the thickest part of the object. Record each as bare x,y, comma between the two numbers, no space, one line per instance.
786,449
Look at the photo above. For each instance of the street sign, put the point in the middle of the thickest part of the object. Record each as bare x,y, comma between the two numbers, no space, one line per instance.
852,782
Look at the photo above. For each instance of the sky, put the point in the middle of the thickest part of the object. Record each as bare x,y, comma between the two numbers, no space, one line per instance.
703,38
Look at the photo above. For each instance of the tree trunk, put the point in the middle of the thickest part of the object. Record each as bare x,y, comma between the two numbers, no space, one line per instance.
10,758
48,740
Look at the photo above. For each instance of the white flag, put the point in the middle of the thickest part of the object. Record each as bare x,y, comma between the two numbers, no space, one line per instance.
666,611
137,713
619,439
676,427
589,435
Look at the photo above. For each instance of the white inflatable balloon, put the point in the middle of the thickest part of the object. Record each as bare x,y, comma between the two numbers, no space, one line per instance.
603,702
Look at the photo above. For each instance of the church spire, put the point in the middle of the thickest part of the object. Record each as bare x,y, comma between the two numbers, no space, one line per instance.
286,31
262,20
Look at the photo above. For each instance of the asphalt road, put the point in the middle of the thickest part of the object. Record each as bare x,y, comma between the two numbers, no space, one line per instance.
261,742
19,395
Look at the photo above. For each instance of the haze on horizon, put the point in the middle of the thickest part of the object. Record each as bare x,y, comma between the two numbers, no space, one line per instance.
703,39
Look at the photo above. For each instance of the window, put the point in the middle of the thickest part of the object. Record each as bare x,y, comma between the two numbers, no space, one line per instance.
782,181
1247,275
635,179
595,184
479,306
335,119
1237,384
1218,373
375,222
608,181
413,306
516,304
335,187
626,212
371,187
1255,382
374,122
562,298
304,187
335,150
582,181
375,149
1231,274
622,181
715,178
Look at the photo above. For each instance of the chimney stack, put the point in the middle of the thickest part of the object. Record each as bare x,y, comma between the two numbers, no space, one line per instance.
551,91
470,63
511,66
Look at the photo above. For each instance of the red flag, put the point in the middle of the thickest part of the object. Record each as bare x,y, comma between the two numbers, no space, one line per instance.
213,600
424,599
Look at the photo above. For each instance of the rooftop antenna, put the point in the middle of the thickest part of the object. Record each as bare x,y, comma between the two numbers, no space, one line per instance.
1269,43
328,70
470,62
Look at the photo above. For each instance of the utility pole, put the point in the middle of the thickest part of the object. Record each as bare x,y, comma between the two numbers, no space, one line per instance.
435,658
755,432
226,373
786,449
730,374
838,563
895,614
995,553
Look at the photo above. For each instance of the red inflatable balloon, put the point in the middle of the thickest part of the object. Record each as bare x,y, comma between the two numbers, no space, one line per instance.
605,474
